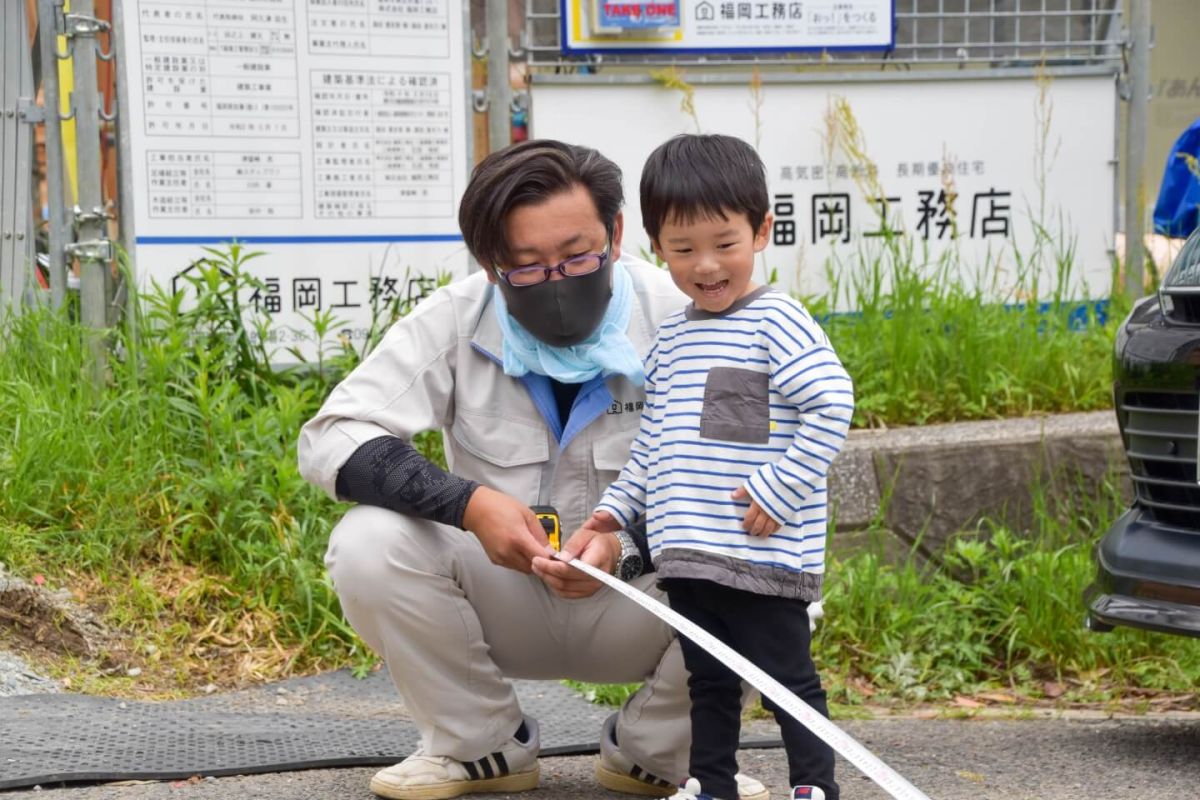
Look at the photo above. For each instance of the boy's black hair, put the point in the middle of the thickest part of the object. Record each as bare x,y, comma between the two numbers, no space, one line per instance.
694,176
529,173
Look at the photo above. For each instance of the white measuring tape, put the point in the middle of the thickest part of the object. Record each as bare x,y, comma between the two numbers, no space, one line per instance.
867,762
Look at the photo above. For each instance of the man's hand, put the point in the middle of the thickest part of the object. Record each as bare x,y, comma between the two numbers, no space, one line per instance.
507,528
756,522
594,544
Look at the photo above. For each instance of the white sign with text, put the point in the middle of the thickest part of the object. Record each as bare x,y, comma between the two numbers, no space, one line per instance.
726,26
331,136
958,169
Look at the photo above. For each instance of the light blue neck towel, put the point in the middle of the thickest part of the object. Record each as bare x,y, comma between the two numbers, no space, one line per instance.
607,350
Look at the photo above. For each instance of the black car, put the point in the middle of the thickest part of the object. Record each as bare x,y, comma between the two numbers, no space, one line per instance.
1148,563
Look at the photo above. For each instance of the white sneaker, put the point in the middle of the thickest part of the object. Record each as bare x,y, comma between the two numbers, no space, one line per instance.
616,772
807,793
512,768
690,790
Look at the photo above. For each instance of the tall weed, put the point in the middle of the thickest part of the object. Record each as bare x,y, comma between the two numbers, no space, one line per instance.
1003,609
174,487
927,345
185,463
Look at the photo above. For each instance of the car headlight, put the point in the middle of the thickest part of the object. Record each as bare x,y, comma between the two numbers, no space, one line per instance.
1166,304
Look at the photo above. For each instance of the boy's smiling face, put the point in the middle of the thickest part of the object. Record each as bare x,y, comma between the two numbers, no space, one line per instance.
712,258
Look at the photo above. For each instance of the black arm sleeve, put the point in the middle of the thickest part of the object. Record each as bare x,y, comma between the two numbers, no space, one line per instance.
637,532
390,473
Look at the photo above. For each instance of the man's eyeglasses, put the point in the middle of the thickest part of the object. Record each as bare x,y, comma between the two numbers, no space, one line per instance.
573,267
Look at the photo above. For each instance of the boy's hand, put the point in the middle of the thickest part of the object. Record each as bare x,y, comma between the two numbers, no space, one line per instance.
601,521
756,522
507,528
592,544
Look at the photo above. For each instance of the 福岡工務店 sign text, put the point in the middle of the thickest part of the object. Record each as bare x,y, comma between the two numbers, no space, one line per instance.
706,26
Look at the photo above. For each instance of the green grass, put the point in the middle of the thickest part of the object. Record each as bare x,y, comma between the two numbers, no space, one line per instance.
184,463
1000,612
173,492
170,499
926,345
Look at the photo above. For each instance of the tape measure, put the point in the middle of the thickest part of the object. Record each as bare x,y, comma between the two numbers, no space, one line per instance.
867,762
548,516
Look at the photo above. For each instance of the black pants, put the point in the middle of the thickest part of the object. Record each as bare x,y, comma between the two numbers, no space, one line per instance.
773,633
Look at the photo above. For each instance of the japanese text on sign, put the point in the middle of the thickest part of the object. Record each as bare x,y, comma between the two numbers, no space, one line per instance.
600,26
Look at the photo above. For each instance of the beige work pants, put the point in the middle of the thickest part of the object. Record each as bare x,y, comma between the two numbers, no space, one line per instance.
452,626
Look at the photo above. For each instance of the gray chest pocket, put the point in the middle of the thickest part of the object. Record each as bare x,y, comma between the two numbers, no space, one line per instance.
736,406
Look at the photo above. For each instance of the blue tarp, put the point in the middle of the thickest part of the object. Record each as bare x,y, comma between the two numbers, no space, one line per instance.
1179,197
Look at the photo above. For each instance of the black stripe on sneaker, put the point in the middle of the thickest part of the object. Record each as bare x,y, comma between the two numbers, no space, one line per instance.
472,772
646,777
486,766
501,763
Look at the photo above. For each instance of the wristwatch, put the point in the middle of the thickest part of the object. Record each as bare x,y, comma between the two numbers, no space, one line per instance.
629,563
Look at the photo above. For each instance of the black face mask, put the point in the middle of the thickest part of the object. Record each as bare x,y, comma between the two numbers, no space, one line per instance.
561,312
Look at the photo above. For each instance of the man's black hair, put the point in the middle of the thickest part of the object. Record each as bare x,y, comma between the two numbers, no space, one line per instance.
702,176
529,173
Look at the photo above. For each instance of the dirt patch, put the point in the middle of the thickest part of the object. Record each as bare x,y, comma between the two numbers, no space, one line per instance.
192,646
31,617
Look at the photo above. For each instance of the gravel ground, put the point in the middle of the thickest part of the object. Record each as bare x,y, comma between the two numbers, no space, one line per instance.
16,678
1075,756
1079,755
1046,759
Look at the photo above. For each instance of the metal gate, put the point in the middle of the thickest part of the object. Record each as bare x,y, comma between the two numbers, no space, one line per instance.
980,34
17,109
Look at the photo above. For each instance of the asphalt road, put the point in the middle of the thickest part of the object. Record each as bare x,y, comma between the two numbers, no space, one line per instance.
1077,758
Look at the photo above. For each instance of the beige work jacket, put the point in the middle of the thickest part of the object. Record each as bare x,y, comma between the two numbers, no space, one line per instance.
440,368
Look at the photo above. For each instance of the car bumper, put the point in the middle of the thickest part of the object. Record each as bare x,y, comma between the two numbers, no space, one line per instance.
1147,576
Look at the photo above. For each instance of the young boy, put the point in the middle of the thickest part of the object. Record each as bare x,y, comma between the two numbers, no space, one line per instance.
746,406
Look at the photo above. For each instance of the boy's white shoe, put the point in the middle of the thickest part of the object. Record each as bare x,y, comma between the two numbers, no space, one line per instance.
807,793
512,768
690,790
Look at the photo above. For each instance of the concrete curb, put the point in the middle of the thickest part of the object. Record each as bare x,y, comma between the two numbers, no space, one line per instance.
926,484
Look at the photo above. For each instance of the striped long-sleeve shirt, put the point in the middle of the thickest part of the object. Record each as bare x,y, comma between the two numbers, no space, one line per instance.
752,396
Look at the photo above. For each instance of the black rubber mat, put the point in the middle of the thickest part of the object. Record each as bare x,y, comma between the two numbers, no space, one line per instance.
323,721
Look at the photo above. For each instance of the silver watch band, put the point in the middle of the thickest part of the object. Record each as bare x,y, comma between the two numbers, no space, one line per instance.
629,550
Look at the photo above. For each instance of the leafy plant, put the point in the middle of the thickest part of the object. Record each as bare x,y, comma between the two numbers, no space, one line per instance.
172,492
170,495
672,78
